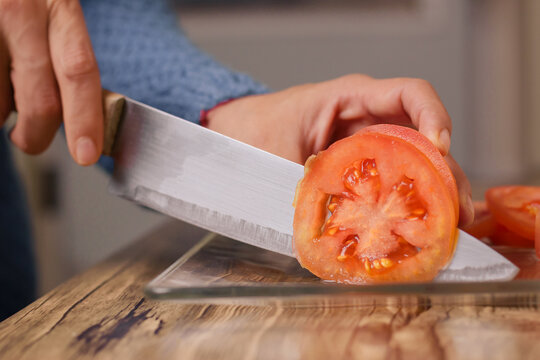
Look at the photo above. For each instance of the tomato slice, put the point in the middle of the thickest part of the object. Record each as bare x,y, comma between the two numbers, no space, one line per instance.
515,207
484,225
503,236
378,206
537,233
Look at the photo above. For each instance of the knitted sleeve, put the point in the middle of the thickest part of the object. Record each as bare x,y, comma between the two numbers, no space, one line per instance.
143,54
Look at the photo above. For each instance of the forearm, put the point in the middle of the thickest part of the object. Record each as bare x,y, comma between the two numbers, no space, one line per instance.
143,54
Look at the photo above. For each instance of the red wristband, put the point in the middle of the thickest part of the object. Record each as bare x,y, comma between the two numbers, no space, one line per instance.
203,120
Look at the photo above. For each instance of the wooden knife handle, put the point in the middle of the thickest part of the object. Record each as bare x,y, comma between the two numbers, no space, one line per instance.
113,107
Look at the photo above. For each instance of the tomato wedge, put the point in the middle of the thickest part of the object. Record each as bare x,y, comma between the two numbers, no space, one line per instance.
515,207
378,206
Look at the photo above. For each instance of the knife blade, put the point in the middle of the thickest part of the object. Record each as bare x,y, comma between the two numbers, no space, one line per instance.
223,185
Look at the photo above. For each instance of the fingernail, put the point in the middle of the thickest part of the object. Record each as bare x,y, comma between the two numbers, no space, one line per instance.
85,151
444,141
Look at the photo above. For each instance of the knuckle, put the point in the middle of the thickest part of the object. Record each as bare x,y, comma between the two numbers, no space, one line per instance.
29,141
53,5
45,107
79,62
356,77
351,79
38,122
421,84
48,105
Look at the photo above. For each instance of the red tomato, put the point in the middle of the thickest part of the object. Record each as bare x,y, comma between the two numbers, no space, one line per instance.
515,208
485,226
537,233
503,236
378,206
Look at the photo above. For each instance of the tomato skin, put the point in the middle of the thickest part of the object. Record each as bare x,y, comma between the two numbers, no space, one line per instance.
377,236
486,227
423,144
515,208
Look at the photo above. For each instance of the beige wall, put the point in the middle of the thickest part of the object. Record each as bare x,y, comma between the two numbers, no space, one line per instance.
531,78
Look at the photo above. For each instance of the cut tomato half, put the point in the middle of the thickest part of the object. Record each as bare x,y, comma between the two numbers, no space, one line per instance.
515,207
378,206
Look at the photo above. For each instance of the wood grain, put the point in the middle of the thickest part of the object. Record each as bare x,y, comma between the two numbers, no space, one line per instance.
102,314
113,107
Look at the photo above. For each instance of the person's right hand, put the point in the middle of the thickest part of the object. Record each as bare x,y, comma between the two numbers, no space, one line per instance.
48,72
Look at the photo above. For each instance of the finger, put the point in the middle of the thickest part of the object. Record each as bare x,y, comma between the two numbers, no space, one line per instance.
34,86
78,78
420,102
397,100
6,96
466,207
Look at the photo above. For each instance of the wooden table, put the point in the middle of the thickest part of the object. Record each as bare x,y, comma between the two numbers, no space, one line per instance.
102,314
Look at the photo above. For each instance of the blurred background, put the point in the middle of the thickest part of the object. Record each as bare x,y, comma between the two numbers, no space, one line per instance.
482,56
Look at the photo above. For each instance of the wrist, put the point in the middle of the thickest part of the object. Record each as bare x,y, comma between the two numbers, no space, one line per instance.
205,113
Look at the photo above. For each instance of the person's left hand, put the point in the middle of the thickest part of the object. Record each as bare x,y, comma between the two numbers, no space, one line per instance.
303,120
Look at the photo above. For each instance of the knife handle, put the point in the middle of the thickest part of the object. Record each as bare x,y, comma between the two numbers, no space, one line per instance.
113,107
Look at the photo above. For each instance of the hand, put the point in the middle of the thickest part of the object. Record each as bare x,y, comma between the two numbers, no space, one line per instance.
48,72
303,120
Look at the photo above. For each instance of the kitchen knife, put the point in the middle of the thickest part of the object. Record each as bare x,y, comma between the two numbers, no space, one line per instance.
215,182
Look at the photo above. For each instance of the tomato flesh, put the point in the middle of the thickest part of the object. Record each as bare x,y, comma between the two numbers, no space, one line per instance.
369,224
504,237
485,226
515,207
374,208
537,233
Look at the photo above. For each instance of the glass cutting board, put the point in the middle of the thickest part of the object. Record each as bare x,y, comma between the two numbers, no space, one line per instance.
219,269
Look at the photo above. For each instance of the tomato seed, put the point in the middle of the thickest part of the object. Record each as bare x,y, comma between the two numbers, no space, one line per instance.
386,262
532,208
349,248
332,230
367,266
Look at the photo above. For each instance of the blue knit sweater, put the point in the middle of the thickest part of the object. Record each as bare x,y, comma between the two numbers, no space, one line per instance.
143,54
